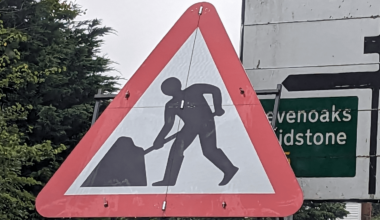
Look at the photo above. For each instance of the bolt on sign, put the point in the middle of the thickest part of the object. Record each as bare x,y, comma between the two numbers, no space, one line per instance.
190,139
326,55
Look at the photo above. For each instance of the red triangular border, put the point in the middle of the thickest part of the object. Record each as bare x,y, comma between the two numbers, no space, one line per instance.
288,198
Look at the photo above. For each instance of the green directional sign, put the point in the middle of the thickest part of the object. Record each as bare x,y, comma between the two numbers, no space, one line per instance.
318,134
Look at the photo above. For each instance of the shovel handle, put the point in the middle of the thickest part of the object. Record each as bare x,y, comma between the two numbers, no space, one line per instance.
147,151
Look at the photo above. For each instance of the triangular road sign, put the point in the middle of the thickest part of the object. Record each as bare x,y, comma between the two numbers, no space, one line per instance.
190,139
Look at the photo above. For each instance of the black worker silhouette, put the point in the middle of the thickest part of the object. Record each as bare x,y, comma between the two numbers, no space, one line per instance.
191,106
124,163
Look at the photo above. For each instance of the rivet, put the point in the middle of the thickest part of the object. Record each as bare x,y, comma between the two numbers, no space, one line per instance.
241,91
127,94
163,206
224,204
182,103
105,202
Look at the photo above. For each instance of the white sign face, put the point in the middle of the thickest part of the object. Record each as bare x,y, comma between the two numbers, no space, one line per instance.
200,171
324,51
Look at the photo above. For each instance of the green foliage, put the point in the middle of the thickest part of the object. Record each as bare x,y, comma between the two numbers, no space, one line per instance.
375,211
50,71
321,211
15,201
63,104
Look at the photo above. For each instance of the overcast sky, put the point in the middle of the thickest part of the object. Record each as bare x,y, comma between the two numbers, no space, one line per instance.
141,24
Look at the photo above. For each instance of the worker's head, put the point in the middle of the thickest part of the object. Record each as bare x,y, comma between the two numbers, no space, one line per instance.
171,86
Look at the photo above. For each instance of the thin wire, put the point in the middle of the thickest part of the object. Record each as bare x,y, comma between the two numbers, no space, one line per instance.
187,79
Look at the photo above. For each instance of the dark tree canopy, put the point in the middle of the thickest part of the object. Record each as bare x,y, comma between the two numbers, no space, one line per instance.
61,68
321,211
16,202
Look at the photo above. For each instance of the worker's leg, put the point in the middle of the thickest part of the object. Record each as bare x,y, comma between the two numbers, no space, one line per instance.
215,155
183,140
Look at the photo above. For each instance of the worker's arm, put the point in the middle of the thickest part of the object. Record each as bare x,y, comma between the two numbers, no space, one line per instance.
169,122
216,96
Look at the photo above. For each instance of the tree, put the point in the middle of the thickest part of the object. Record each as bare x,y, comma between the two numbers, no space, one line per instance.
321,211
15,201
64,102
375,211
63,57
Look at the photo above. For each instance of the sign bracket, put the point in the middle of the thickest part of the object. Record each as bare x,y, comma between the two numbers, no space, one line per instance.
276,92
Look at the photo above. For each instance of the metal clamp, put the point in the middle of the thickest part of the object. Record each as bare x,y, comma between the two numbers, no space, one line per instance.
276,92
